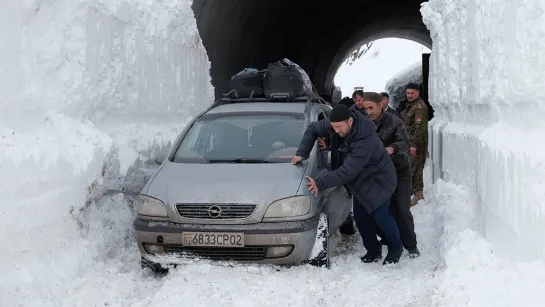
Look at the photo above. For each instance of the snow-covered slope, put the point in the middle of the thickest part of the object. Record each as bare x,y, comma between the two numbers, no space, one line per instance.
87,89
396,85
486,86
387,56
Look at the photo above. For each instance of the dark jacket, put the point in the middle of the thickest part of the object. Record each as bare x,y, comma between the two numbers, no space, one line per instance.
393,112
392,133
365,168
354,107
401,108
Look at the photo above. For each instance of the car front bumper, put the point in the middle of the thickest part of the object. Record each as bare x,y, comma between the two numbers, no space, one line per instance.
270,243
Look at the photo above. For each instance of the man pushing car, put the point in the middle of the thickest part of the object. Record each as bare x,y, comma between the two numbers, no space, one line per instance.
361,163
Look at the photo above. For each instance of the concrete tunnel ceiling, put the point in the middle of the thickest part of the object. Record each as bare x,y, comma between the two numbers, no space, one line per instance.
315,34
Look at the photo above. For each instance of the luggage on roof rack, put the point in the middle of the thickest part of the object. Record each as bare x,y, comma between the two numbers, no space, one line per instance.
285,79
280,80
246,84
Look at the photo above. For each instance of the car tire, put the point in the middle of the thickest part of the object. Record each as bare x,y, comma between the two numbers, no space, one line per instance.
347,227
156,268
323,258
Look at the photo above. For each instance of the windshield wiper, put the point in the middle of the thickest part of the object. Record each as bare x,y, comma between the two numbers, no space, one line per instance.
239,160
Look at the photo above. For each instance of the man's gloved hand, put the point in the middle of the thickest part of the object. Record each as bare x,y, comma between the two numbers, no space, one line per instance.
321,143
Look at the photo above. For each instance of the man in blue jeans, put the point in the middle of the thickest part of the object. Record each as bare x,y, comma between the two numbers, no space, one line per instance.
361,163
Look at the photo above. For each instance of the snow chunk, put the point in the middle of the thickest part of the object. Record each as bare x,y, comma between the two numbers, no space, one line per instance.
320,237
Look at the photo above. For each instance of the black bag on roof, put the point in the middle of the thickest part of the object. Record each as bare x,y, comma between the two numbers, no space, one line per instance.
247,83
281,80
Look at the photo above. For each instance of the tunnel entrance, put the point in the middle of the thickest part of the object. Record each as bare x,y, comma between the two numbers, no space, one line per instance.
249,33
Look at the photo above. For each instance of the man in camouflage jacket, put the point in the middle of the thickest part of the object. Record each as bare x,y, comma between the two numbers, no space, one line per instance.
416,124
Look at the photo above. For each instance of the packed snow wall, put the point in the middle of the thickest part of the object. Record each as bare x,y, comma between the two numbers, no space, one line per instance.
486,85
396,85
87,89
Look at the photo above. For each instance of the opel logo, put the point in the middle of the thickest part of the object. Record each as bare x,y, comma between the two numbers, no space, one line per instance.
214,211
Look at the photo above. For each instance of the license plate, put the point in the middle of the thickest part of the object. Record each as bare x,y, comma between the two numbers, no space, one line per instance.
215,239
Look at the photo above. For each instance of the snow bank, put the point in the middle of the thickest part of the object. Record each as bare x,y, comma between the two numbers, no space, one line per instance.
91,92
396,85
486,74
473,274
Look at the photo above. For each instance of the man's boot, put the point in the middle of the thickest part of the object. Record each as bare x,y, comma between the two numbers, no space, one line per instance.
417,197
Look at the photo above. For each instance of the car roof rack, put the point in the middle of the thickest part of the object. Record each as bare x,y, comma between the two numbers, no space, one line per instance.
279,99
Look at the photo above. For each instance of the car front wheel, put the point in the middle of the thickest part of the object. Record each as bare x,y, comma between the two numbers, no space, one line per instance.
320,255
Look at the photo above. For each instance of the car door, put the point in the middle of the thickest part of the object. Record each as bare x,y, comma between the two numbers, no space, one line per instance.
338,203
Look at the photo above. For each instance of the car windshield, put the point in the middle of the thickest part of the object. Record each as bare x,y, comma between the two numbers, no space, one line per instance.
242,138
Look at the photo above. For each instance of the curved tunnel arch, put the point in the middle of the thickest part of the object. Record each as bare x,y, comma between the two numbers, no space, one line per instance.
372,33
249,33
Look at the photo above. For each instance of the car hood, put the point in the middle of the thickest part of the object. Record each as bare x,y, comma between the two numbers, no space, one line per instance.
221,183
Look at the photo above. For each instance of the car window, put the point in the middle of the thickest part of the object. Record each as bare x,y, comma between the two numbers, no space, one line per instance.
242,138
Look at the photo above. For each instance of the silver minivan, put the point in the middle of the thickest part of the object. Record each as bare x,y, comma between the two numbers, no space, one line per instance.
227,190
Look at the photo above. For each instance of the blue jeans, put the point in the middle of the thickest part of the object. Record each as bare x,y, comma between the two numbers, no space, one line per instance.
382,219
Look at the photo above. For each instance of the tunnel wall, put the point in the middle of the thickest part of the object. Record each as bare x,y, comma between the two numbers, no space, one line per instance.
89,90
486,76
249,33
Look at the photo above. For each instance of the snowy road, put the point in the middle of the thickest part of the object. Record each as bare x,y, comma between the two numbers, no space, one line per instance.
120,282
457,268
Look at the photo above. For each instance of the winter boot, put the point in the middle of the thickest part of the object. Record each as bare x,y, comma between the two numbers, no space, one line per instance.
413,252
417,197
371,257
392,257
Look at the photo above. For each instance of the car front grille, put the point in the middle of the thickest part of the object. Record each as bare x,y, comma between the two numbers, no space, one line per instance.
247,253
215,211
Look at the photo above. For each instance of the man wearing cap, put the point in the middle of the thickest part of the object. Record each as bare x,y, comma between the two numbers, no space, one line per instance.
416,123
386,104
361,163
391,132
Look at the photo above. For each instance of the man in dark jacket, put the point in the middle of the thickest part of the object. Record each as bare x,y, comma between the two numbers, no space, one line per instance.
358,102
393,135
365,169
386,105
402,108
347,101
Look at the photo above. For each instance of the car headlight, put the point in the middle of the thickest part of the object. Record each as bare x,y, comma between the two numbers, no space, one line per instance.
289,207
150,206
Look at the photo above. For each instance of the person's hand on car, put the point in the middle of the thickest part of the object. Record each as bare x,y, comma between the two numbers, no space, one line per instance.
311,184
296,160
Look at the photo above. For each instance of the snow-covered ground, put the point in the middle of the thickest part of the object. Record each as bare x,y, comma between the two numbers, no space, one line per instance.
91,93
115,279
456,268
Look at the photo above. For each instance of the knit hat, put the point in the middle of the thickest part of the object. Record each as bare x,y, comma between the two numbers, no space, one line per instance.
339,113
412,86
372,96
